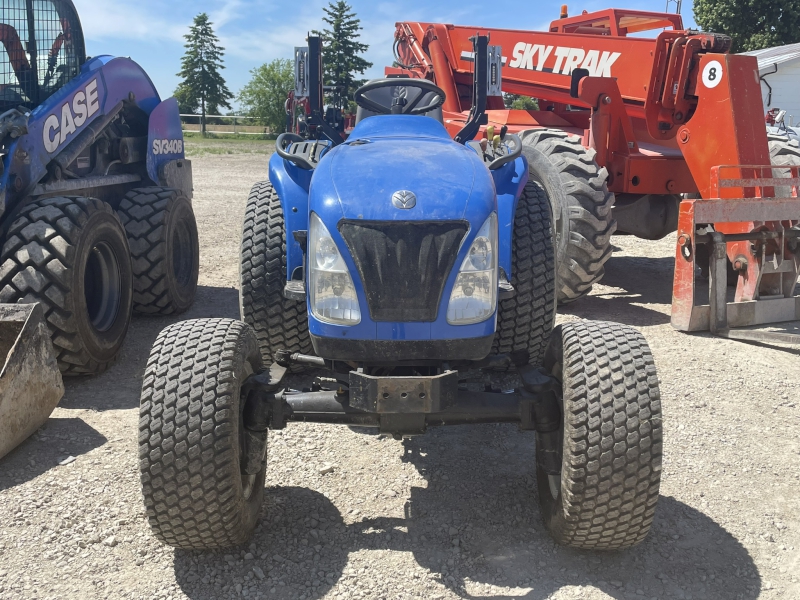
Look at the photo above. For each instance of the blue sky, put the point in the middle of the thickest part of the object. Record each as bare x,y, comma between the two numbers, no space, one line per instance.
256,31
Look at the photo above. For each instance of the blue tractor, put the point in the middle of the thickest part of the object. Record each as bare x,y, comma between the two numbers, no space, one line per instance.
96,220
397,261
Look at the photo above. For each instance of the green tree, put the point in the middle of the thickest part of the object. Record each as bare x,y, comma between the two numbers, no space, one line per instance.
751,24
516,101
265,94
202,87
187,104
341,50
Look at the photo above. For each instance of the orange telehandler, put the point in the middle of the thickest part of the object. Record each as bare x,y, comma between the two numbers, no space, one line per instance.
643,136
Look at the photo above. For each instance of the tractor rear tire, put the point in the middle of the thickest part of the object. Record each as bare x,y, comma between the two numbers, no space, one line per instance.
192,436
165,251
606,494
581,202
71,255
279,323
525,322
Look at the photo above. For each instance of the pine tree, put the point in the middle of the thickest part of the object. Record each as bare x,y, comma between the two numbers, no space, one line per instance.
752,24
202,87
340,56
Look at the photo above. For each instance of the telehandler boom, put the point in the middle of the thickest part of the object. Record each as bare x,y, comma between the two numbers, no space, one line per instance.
644,136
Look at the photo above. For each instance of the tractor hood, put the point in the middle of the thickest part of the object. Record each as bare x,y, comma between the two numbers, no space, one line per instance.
389,154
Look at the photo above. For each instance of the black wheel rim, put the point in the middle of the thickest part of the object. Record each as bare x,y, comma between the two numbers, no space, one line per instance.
248,480
182,254
554,481
102,287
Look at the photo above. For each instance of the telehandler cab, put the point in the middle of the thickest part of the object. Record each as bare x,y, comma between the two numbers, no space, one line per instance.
398,260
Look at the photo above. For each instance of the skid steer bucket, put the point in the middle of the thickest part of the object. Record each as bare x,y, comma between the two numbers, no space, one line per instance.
30,382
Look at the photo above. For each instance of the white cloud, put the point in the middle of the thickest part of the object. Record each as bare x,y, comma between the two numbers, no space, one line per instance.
126,20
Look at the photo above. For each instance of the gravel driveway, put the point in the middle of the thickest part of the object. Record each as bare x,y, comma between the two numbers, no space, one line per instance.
451,514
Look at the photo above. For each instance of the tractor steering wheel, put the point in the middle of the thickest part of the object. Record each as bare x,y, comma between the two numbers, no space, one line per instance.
400,105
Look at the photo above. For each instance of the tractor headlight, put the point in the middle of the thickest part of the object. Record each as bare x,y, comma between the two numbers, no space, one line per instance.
474,295
331,291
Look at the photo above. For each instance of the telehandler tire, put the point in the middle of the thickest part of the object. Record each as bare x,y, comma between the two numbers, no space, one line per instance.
783,152
525,322
279,323
71,255
581,202
606,493
165,251
192,439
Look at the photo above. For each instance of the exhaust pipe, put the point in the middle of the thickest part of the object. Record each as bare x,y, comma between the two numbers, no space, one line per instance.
30,382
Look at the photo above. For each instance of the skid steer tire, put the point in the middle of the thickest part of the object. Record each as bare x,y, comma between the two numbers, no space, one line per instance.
606,494
525,322
581,202
191,435
279,323
71,255
165,252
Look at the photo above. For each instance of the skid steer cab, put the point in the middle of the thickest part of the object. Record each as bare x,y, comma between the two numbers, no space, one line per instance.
96,220
397,261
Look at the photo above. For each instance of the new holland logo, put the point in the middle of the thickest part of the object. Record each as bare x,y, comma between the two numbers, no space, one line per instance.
404,199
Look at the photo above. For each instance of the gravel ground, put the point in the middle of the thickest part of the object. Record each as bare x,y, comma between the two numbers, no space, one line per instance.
452,514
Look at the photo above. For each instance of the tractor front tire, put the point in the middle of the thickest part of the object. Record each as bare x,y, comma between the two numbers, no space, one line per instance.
581,204
279,323
606,493
192,439
525,322
165,251
71,255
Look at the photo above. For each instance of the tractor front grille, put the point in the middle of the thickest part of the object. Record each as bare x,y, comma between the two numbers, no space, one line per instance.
41,49
403,265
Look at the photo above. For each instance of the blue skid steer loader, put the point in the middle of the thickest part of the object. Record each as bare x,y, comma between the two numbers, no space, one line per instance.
96,220
397,261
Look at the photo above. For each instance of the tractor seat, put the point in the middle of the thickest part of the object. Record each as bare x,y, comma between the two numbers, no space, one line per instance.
385,95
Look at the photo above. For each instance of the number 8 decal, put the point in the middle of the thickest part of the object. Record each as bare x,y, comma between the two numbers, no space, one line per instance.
712,74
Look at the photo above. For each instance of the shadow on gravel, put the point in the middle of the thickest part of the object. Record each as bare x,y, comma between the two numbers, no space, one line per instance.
294,562
475,524
52,443
120,386
488,505
639,281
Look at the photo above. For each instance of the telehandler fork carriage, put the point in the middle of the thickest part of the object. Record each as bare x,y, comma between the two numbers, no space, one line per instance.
642,136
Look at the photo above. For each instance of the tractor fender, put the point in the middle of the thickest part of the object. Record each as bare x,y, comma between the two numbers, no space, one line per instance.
292,184
509,181
103,83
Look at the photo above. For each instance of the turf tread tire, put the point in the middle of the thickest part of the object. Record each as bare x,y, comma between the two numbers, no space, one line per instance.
189,452
147,214
279,323
612,439
525,322
38,263
582,207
